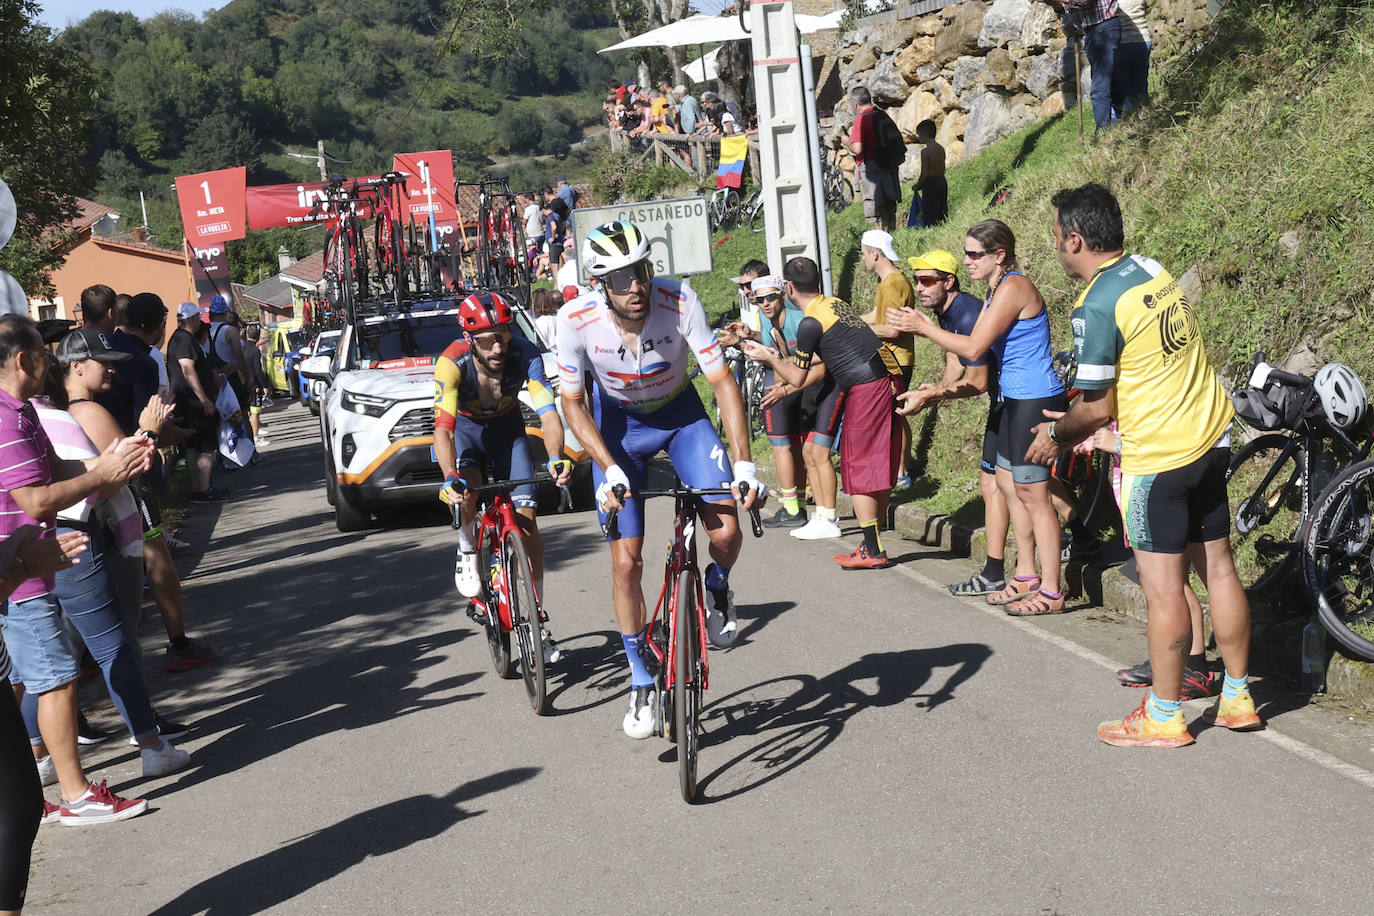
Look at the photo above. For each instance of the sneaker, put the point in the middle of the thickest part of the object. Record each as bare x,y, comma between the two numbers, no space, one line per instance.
784,519
861,559
167,728
817,529
260,441
1139,730
164,759
1140,675
86,733
175,543
1238,714
190,654
98,805
50,813
465,576
722,626
47,770
551,651
639,718
1199,684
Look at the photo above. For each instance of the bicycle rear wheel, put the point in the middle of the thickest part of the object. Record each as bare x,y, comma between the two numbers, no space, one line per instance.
687,684
1336,558
1264,485
524,614
498,640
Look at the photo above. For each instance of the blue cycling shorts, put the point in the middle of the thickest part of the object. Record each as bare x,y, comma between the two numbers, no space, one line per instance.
680,426
500,442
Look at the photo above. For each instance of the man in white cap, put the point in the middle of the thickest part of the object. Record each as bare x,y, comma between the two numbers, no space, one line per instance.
193,387
897,350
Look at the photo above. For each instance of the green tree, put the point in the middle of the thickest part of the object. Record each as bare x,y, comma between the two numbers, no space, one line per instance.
46,98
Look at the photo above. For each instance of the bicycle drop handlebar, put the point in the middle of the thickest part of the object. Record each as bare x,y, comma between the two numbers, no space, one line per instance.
612,530
564,499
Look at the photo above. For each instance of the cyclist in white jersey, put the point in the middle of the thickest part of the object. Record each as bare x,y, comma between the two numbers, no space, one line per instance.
632,334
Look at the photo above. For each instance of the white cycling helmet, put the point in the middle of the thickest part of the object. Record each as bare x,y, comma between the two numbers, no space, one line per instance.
1342,394
615,244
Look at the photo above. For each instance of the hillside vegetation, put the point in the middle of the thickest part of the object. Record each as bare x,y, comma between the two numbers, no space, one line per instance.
371,78
1252,166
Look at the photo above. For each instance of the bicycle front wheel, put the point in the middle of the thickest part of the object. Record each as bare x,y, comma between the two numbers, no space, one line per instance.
524,614
1336,558
1264,486
687,672
498,640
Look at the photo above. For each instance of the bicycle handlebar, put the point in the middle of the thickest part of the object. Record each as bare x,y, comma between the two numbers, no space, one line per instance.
612,530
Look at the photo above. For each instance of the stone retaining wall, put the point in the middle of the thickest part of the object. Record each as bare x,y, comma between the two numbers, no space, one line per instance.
980,70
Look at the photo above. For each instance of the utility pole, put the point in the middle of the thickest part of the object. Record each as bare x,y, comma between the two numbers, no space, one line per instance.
319,153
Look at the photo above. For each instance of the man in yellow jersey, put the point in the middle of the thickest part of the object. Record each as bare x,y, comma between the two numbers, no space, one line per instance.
894,293
1141,359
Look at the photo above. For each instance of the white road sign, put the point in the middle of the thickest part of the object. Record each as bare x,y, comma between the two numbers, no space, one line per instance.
678,230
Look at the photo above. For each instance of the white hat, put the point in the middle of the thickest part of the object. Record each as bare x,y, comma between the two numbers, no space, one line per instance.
771,281
187,310
877,238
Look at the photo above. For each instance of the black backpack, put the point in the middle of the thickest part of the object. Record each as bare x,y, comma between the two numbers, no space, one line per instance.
891,148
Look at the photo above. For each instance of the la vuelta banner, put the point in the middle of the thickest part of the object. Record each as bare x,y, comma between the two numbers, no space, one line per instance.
212,205
274,205
429,185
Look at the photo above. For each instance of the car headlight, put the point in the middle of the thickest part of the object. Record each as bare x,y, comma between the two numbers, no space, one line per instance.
365,404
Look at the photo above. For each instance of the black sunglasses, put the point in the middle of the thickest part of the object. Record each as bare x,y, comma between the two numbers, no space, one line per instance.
620,279
930,281
975,255
768,297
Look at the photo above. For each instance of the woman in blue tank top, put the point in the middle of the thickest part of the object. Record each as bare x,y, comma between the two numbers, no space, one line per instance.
1016,326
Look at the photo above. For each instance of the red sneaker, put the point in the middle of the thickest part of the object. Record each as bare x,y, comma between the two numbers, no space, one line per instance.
50,813
861,559
99,806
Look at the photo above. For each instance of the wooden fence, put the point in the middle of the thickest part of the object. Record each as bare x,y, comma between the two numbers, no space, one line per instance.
692,153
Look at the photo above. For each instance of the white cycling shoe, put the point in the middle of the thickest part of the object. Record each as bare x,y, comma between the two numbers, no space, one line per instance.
639,718
722,627
552,653
466,577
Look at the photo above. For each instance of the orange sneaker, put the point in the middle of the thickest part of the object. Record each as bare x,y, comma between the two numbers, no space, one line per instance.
1238,714
1139,730
862,559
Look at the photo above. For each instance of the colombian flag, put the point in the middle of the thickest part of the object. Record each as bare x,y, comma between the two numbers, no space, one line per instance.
733,151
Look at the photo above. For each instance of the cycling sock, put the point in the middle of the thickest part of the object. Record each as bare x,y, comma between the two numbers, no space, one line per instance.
825,514
789,501
717,577
1232,687
995,569
634,652
872,542
1197,662
465,543
1162,710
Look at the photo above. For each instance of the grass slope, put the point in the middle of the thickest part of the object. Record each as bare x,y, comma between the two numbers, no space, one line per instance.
1260,134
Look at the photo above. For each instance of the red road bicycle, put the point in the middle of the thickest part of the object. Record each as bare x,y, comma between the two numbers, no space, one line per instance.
677,630
508,604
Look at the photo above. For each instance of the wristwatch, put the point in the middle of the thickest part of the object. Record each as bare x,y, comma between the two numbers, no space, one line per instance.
1049,431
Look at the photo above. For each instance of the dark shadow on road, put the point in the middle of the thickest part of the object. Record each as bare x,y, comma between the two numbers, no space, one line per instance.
754,617
308,861
787,721
593,667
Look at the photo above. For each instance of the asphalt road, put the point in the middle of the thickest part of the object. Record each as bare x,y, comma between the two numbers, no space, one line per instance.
873,745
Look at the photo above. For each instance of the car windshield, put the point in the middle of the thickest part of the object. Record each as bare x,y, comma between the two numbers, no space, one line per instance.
296,339
415,337
327,343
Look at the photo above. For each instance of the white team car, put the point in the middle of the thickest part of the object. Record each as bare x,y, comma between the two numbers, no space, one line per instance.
377,414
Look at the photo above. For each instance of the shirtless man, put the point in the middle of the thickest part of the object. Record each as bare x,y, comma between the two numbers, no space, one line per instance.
930,184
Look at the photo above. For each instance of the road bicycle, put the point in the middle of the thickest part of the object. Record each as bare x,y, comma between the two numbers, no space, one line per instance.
508,603
677,640
722,209
839,193
1086,476
1337,550
1274,479
751,211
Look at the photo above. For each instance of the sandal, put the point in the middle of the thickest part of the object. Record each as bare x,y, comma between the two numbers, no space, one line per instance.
1038,604
1019,587
978,584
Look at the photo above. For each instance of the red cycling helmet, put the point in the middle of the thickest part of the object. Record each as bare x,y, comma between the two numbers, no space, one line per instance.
483,312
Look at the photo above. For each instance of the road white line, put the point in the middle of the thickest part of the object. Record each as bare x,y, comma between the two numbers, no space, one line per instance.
1292,745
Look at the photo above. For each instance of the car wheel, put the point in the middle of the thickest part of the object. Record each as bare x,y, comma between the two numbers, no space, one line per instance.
348,515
